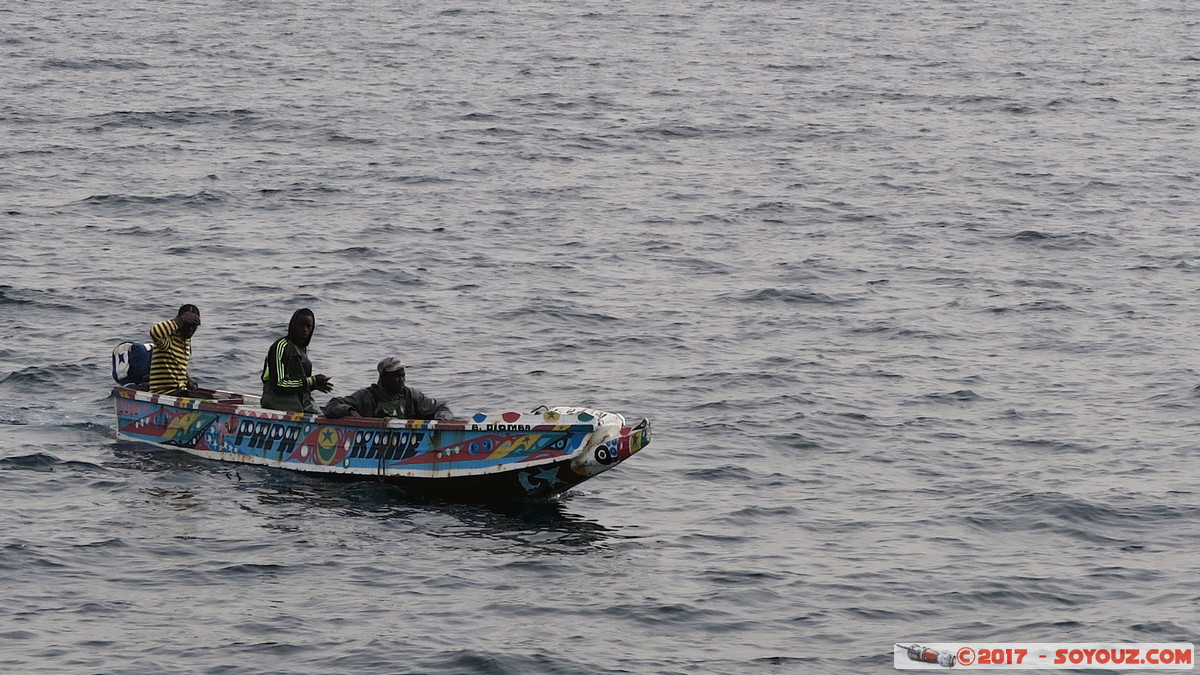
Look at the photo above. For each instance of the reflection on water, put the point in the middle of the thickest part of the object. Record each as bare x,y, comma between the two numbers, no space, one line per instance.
548,527
179,500
551,527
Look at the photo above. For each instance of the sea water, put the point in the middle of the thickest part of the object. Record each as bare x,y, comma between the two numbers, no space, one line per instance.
908,292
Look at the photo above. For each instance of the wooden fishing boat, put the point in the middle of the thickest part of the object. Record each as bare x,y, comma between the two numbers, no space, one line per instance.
483,458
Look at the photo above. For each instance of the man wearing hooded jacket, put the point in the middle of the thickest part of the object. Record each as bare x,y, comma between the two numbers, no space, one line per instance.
287,376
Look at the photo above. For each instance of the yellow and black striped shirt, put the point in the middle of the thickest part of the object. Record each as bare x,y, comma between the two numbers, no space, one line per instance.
169,360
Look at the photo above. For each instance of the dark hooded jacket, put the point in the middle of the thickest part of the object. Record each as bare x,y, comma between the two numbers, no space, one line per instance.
287,373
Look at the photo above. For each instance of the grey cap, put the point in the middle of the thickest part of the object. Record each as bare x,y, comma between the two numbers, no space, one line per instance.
390,365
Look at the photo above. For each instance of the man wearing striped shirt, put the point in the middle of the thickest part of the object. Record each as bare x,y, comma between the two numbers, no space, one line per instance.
172,349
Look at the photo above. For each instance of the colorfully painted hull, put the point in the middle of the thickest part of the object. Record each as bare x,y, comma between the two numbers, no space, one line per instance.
484,458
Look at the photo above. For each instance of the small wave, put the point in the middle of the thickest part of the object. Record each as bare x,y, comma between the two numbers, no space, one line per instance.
771,207
1163,628
336,137
1081,511
892,330
417,180
959,396
96,64
115,542
493,662
1002,594
1030,235
562,315
214,250
142,231
788,296
153,119
358,252
371,277
34,299
1052,445
7,297
793,67
37,378
202,198
738,577
757,516
36,462
1069,241
252,568
1091,521
881,614
1045,306
1037,306
1019,109
740,474
501,131
588,143
1048,283
298,191
672,131
696,265
796,441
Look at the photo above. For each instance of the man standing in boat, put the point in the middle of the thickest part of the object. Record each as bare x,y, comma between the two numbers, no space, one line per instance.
172,350
288,382
389,397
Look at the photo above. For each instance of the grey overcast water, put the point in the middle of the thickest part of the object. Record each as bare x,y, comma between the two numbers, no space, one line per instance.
908,290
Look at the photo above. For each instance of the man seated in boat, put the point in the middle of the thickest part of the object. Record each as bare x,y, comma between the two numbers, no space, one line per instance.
172,350
389,397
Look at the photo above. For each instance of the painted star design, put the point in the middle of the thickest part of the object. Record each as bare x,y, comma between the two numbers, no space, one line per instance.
550,476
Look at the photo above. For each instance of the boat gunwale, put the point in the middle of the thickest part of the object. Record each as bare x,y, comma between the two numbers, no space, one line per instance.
242,409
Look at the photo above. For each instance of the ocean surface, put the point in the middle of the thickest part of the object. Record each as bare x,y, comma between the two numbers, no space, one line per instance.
909,291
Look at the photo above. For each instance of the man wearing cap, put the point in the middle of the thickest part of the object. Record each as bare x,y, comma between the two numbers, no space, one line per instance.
172,350
389,397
